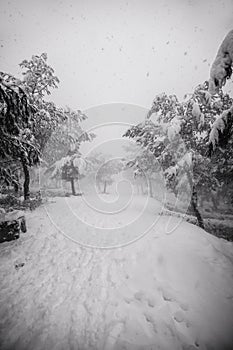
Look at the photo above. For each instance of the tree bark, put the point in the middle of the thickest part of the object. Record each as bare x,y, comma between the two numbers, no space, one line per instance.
16,187
105,187
214,201
72,186
194,201
150,188
195,208
26,190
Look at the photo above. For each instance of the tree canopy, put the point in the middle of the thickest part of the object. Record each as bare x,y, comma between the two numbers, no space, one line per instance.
32,128
177,134
17,142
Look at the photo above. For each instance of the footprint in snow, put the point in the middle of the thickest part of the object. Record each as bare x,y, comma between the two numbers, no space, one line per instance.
167,296
178,316
184,306
19,265
127,300
151,302
139,296
148,317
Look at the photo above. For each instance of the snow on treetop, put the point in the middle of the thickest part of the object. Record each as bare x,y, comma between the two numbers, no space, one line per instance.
59,165
196,110
186,160
174,128
81,164
74,160
221,67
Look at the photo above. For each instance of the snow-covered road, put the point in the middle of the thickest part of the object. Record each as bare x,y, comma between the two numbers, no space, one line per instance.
163,291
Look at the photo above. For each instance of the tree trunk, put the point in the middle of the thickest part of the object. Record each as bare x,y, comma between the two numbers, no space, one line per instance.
105,187
72,186
150,188
141,186
194,202
26,190
16,188
195,208
214,201
201,200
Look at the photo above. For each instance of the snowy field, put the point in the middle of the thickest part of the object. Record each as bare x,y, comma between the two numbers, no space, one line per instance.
166,290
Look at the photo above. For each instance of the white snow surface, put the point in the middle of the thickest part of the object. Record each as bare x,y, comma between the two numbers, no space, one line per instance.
164,291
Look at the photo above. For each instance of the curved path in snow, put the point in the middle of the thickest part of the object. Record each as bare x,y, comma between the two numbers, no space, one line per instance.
164,291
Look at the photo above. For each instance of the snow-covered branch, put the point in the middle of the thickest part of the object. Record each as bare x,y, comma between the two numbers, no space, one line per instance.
221,67
221,130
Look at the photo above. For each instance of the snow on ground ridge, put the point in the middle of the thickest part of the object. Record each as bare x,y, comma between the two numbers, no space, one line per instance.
162,292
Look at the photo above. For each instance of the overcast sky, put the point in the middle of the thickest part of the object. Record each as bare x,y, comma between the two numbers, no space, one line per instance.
116,51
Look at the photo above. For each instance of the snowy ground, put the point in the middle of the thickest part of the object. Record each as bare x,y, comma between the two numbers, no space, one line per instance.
164,291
